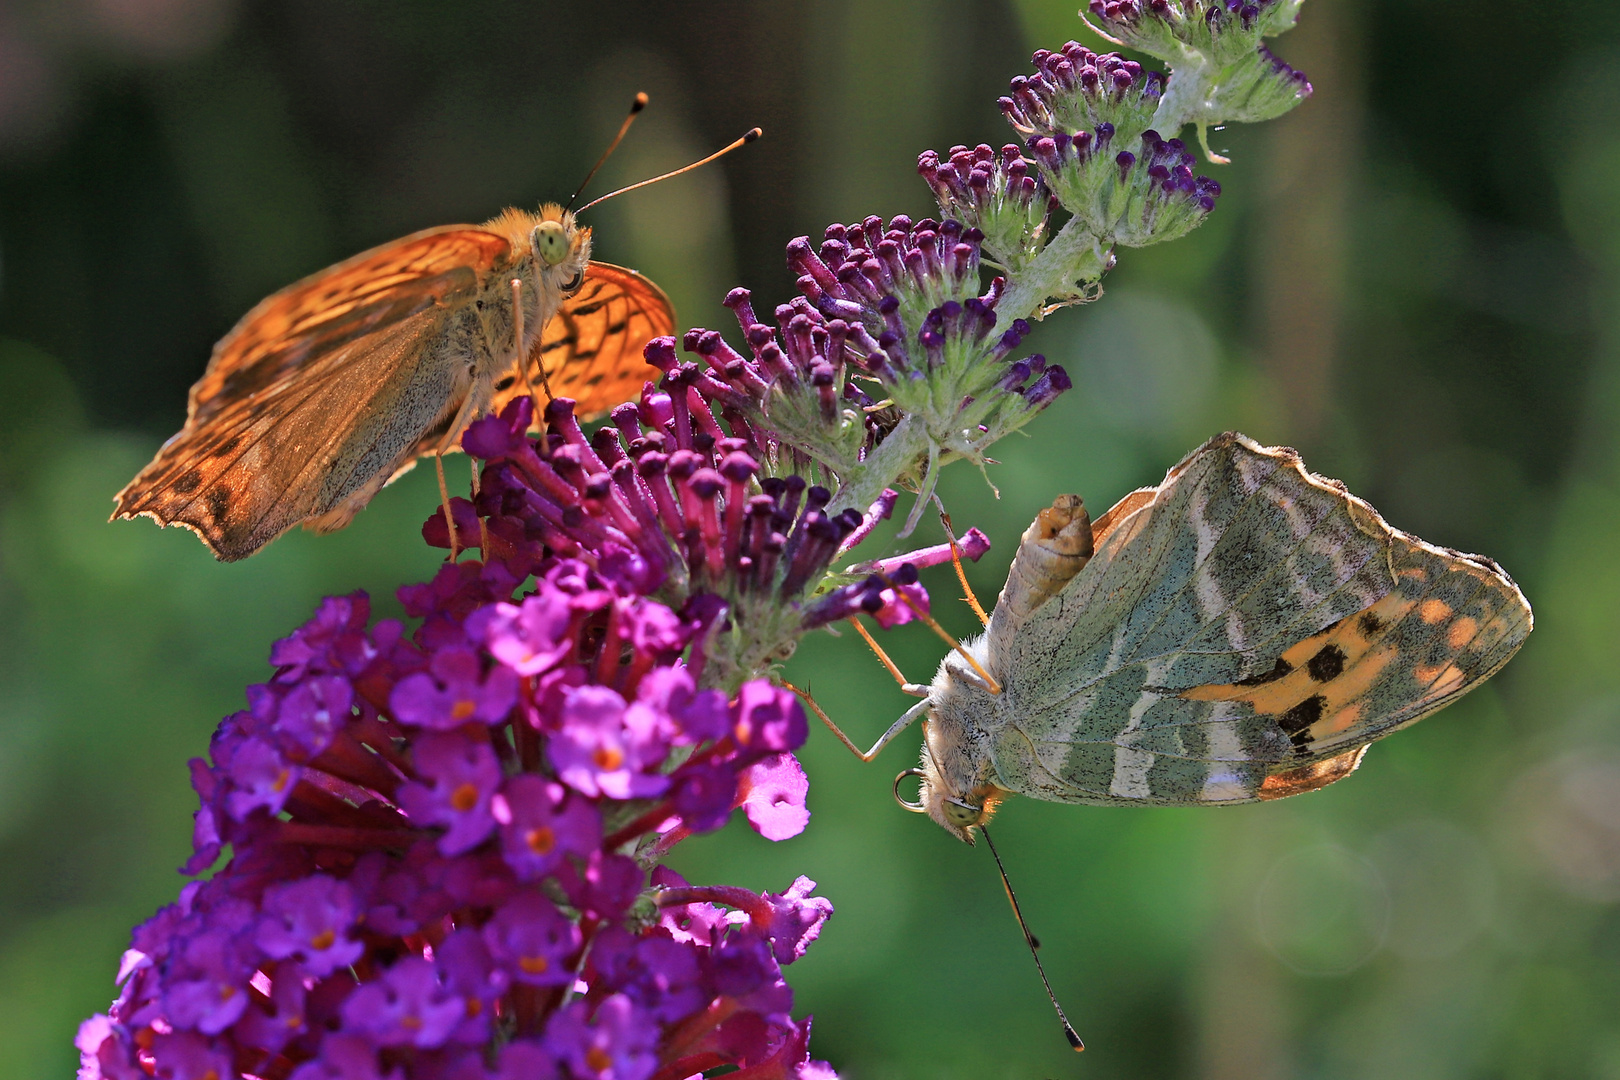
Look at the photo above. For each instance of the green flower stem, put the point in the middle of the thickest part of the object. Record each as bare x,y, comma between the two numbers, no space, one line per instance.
1072,256
895,457
1186,96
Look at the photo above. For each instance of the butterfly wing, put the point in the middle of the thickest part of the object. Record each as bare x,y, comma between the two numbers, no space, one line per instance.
321,446
592,348
308,395
292,331
1241,634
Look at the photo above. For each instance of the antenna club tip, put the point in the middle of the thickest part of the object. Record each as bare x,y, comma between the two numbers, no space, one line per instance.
640,101
1074,1040
753,133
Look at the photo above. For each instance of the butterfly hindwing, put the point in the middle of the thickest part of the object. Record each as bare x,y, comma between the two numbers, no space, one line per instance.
1241,633
591,348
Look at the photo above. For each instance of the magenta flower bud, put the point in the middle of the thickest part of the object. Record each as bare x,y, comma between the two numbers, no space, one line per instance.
703,511
656,409
741,303
1046,389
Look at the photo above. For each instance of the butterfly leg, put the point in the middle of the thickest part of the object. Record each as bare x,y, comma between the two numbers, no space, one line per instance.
469,409
483,526
518,356
914,689
444,503
910,717
988,681
956,561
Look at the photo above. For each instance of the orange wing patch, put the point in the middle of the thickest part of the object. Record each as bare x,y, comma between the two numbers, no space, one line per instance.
1315,686
592,347
1443,628
287,332
1312,777
1117,513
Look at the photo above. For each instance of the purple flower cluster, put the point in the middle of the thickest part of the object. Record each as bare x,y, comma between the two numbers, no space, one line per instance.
440,846
664,499
866,270
889,323
1004,197
1144,24
1252,84
1132,198
1074,89
1084,120
664,495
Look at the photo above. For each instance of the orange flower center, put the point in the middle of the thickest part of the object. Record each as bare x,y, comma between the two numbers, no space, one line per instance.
607,759
541,840
598,1059
323,940
462,709
464,798
534,965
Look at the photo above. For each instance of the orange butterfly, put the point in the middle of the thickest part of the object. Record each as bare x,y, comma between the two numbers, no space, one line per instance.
334,386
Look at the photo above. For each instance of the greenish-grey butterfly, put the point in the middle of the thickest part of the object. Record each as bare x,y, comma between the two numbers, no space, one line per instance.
1240,632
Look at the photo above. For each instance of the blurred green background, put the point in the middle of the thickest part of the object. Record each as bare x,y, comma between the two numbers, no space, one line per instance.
1413,278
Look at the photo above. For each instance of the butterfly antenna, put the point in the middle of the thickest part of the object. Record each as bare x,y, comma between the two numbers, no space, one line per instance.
1034,946
636,106
752,134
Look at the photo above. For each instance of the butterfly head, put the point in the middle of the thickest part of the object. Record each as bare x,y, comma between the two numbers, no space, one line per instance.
561,247
958,813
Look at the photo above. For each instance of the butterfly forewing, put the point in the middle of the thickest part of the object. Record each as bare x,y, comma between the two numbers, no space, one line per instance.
1248,622
291,332
592,347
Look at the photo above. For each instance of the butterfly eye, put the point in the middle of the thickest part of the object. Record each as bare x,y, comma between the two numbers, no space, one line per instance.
961,814
551,242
